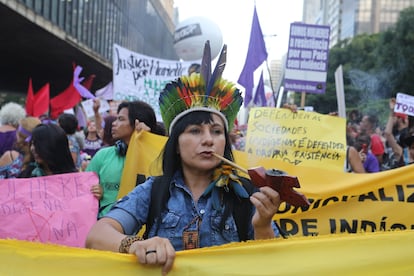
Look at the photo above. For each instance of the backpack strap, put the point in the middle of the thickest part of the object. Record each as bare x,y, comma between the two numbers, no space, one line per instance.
242,209
159,197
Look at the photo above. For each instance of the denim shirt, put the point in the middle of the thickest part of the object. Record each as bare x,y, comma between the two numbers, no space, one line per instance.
132,211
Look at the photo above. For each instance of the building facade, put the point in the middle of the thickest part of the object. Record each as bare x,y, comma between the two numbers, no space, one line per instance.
348,18
45,37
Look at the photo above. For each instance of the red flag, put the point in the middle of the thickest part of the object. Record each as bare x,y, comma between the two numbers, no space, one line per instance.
66,99
88,82
29,99
41,101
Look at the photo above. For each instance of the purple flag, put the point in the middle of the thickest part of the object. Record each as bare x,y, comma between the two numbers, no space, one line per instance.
260,97
83,91
106,92
256,55
80,115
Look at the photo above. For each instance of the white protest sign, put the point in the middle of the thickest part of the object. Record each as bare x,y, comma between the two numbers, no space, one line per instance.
404,104
88,107
141,77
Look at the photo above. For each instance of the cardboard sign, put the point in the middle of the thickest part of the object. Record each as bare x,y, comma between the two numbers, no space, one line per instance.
56,209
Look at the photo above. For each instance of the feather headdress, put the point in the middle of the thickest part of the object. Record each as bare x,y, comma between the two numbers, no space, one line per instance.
204,91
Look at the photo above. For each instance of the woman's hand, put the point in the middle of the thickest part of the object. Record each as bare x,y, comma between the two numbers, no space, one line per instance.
96,105
267,202
97,191
154,251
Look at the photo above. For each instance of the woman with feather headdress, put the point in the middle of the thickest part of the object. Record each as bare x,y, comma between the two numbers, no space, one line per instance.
198,201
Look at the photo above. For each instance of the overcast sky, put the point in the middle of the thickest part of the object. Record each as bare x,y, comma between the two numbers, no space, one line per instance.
234,18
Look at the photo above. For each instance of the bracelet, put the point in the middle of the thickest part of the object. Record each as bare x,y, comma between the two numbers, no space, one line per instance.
127,242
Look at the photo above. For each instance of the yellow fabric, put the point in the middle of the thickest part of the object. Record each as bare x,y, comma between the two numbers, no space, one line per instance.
301,138
140,151
380,253
344,200
358,202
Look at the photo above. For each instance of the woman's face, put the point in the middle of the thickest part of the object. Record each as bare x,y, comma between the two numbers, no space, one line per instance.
36,156
197,143
91,127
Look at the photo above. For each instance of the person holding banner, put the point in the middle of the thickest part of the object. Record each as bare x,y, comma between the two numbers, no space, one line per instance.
198,201
108,162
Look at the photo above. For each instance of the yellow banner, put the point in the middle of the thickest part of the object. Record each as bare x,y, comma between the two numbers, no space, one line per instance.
340,202
380,253
301,138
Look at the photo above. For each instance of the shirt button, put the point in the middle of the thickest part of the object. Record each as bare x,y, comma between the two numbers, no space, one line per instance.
202,211
227,227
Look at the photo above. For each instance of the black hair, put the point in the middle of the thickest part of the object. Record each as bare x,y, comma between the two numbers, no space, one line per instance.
142,111
171,160
160,129
52,146
373,120
361,140
107,138
68,122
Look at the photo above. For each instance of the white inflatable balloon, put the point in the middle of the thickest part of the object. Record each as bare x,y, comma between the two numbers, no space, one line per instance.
191,35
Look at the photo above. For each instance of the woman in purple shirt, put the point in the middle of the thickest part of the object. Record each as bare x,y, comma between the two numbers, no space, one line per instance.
10,116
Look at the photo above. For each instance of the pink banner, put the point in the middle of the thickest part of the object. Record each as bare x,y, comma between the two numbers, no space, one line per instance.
56,209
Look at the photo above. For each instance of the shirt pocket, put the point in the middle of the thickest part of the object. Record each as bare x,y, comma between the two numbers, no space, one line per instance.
226,233
169,226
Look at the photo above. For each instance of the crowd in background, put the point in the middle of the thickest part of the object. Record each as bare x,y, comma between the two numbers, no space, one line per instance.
370,146
381,147
31,147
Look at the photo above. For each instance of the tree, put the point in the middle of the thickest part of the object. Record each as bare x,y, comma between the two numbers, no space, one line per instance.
396,54
375,68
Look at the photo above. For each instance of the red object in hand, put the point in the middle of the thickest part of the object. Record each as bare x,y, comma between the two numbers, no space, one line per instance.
281,182
364,148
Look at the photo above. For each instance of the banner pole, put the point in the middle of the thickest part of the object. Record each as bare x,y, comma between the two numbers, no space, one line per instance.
302,100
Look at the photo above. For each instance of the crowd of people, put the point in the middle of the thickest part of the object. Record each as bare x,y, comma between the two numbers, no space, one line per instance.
379,148
198,200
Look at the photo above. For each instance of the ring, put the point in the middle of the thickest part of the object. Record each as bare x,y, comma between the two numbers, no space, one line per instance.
150,251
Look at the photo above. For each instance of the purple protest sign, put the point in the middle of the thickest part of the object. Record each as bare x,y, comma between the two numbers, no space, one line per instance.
307,58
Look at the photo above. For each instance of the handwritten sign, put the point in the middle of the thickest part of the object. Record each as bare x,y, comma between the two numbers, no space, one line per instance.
307,58
302,138
88,107
57,209
141,77
404,104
